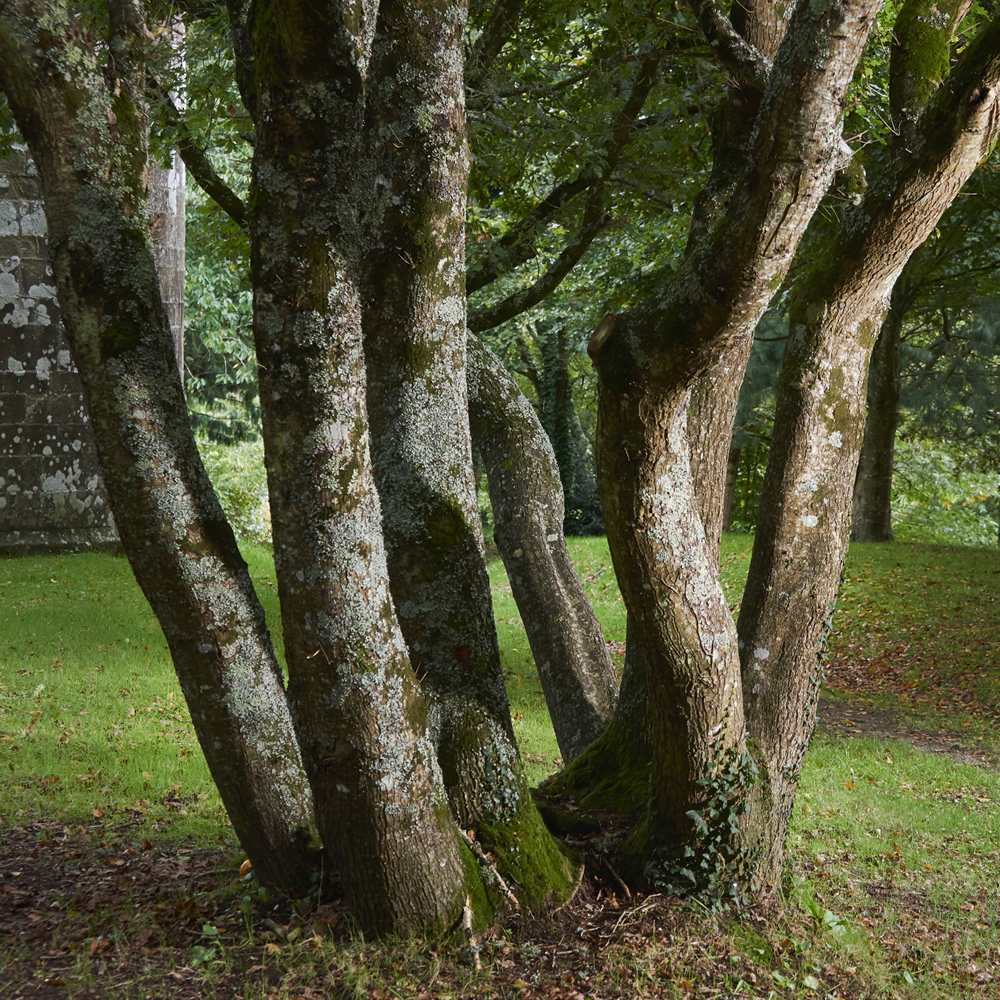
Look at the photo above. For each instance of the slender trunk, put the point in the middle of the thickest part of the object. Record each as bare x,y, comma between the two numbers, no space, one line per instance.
166,207
166,211
871,519
802,532
566,640
358,706
711,419
732,475
173,530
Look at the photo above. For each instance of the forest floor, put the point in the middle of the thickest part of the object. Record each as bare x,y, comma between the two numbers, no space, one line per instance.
92,912
894,851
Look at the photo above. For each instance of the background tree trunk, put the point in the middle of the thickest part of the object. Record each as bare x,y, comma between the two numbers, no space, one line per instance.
871,518
566,640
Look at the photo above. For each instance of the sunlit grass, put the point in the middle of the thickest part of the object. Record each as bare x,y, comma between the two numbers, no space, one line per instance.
894,852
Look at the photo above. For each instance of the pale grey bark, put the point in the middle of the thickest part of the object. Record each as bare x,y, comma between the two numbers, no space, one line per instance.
166,216
359,709
566,640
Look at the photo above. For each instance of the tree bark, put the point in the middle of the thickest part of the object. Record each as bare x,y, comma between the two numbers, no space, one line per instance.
871,516
359,709
802,531
729,494
415,345
648,360
566,640
87,137
167,210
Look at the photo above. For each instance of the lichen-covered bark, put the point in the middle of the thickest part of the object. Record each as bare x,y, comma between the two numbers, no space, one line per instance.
761,25
649,359
566,640
802,531
86,133
415,343
359,710
871,507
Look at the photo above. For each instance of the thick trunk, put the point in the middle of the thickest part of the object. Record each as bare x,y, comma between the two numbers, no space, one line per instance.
358,706
648,361
802,531
181,549
415,345
871,518
566,640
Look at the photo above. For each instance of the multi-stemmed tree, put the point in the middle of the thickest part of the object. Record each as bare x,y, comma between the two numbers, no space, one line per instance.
392,738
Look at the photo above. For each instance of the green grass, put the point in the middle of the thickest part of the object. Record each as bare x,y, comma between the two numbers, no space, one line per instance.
894,852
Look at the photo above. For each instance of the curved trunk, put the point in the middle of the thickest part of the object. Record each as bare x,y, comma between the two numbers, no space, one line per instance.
415,346
802,532
566,640
173,530
871,518
648,360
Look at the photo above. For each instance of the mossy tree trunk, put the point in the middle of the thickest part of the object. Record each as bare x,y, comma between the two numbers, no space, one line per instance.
649,359
87,135
360,712
566,640
871,508
834,317
415,345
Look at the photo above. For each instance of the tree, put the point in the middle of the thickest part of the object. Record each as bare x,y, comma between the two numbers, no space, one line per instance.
722,798
393,737
948,122
939,309
390,765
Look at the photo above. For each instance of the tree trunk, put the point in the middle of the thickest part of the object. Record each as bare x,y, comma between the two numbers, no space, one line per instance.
648,360
871,519
361,715
415,345
86,137
166,212
732,475
566,640
802,531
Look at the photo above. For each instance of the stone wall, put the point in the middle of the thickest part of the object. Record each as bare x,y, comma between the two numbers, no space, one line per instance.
50,491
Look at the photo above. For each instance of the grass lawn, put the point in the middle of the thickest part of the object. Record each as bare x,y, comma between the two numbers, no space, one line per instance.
119,872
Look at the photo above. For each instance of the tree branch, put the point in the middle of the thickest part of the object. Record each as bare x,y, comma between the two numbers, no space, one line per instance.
196,159
517,244
735,52
495,35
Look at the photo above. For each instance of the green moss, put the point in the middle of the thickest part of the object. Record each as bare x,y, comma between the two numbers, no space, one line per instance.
540,869
612,774
920,59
